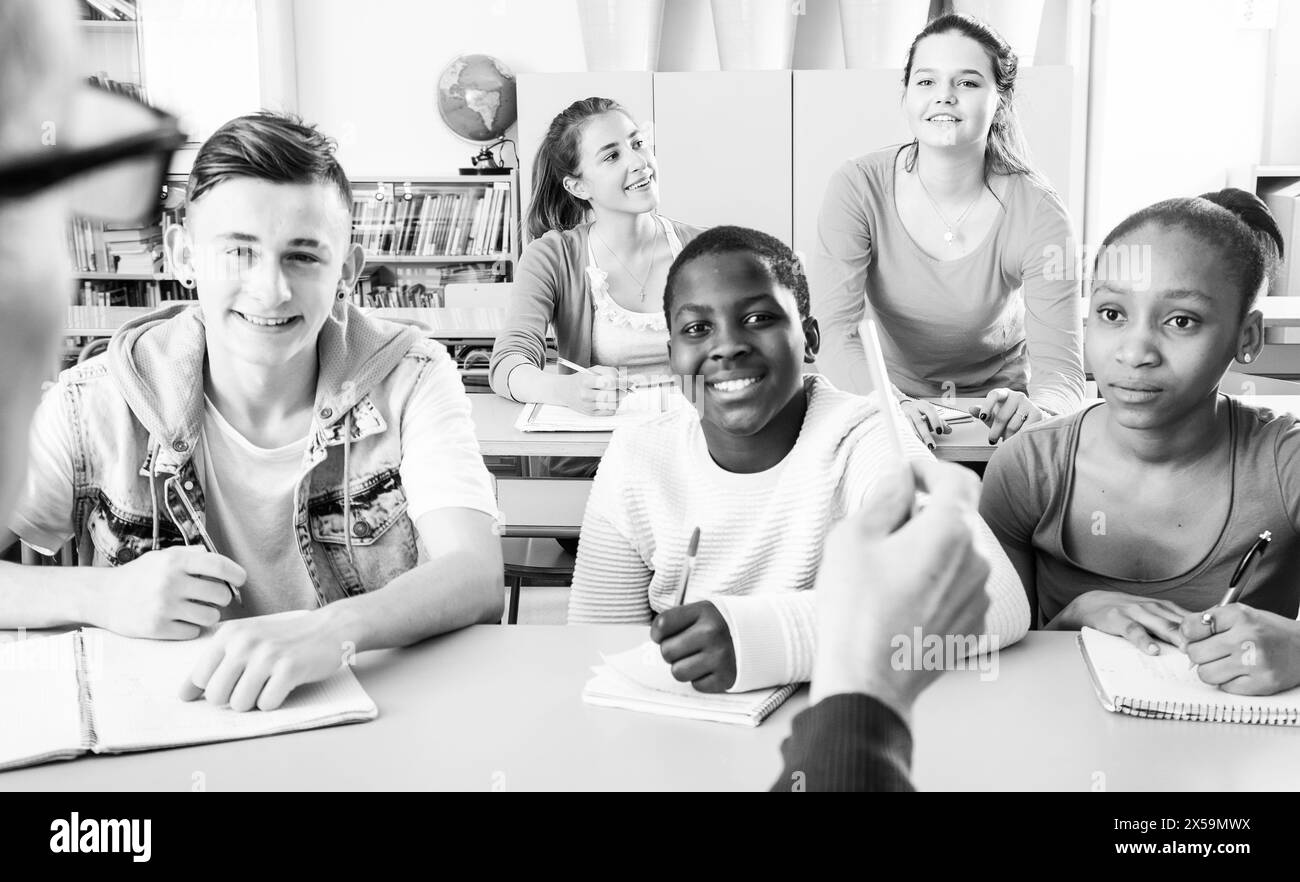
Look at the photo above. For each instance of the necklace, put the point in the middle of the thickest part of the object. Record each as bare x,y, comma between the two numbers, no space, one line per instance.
950,230
654,250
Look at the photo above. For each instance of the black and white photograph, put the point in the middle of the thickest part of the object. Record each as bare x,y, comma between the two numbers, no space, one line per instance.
649,395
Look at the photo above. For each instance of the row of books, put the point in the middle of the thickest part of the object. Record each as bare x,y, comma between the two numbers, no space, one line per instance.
463,220
109,248
108,10
422,290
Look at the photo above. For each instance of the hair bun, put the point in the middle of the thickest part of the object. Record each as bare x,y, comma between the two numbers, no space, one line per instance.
1251,210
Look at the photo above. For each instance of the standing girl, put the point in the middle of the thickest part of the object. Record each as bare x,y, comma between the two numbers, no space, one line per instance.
954,244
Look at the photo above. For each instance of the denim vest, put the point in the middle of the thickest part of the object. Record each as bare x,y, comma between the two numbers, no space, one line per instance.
349,505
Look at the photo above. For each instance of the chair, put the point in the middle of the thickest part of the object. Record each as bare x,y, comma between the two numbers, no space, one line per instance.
535,560
93,348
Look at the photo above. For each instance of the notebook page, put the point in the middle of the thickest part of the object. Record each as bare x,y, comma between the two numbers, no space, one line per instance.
558,418
639,679
39,700
1127,672
134,685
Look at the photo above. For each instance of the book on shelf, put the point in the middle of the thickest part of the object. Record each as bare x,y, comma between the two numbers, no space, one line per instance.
438,220
108,10
107,248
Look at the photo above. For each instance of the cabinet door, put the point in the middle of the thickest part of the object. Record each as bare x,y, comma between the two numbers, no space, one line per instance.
542,96
838,114
723,140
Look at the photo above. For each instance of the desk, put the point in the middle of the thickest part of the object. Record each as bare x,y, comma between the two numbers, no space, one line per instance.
489,700
494,425
461,712
447,324
1039,726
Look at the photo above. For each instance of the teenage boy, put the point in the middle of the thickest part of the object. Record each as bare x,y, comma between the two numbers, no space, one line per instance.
321,454
769,459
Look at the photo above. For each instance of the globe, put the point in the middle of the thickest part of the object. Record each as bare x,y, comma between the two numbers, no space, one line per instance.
476,98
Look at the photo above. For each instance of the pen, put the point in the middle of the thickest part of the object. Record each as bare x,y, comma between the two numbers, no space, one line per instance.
171,487
1256,551
689,566
879,376
573,367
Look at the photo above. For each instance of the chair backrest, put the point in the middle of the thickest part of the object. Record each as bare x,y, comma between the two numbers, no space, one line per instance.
477,296
93,348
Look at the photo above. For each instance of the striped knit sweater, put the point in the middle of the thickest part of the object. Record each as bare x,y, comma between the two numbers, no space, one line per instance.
761,534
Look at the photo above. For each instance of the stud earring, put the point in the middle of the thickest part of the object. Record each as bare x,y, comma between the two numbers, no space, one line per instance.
1246,358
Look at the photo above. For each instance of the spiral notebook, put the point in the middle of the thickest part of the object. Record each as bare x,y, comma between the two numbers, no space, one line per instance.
641,680
1165,687
92,691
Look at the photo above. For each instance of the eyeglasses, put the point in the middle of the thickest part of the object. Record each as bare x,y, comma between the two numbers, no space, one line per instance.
112,152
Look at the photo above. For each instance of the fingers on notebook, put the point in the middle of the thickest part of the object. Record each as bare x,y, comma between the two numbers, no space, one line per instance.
1147,626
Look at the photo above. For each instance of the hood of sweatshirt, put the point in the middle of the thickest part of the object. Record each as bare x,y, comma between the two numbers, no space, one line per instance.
157,362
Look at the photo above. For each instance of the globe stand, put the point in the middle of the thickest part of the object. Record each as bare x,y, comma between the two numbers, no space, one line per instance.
485,163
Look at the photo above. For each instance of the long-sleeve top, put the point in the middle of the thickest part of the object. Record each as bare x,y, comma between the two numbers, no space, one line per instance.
761,534
846,742
551,287
1008,314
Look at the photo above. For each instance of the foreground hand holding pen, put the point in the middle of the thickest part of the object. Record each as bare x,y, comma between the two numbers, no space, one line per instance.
1239,648
884,574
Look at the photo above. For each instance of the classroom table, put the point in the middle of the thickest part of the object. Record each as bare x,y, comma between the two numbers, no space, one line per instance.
494,424
497,706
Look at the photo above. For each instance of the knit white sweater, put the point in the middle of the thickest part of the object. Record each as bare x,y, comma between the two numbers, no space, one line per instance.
761,534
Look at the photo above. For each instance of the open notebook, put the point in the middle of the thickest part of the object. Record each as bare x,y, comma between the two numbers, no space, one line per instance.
92,691
635,408
1164,686
641,680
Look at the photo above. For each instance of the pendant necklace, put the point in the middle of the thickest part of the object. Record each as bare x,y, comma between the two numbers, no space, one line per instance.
641,283
950,230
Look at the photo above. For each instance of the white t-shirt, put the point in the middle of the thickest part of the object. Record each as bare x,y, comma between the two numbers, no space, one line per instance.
441,468
249,514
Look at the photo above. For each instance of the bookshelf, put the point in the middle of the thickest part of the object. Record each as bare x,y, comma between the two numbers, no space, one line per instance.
423,233
419,234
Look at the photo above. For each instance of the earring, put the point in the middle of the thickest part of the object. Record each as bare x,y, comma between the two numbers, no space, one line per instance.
1246,358
342,294
186,282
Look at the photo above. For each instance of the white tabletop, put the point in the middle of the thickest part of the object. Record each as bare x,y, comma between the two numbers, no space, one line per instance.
1040,726
494,424
500,706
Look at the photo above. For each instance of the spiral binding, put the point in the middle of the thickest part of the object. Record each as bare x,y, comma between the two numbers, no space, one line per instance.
86,708
1212,713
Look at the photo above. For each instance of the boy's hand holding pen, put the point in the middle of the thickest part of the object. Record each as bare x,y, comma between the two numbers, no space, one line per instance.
693,637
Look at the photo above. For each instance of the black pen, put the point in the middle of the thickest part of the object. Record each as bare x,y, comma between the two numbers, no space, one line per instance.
1256,551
